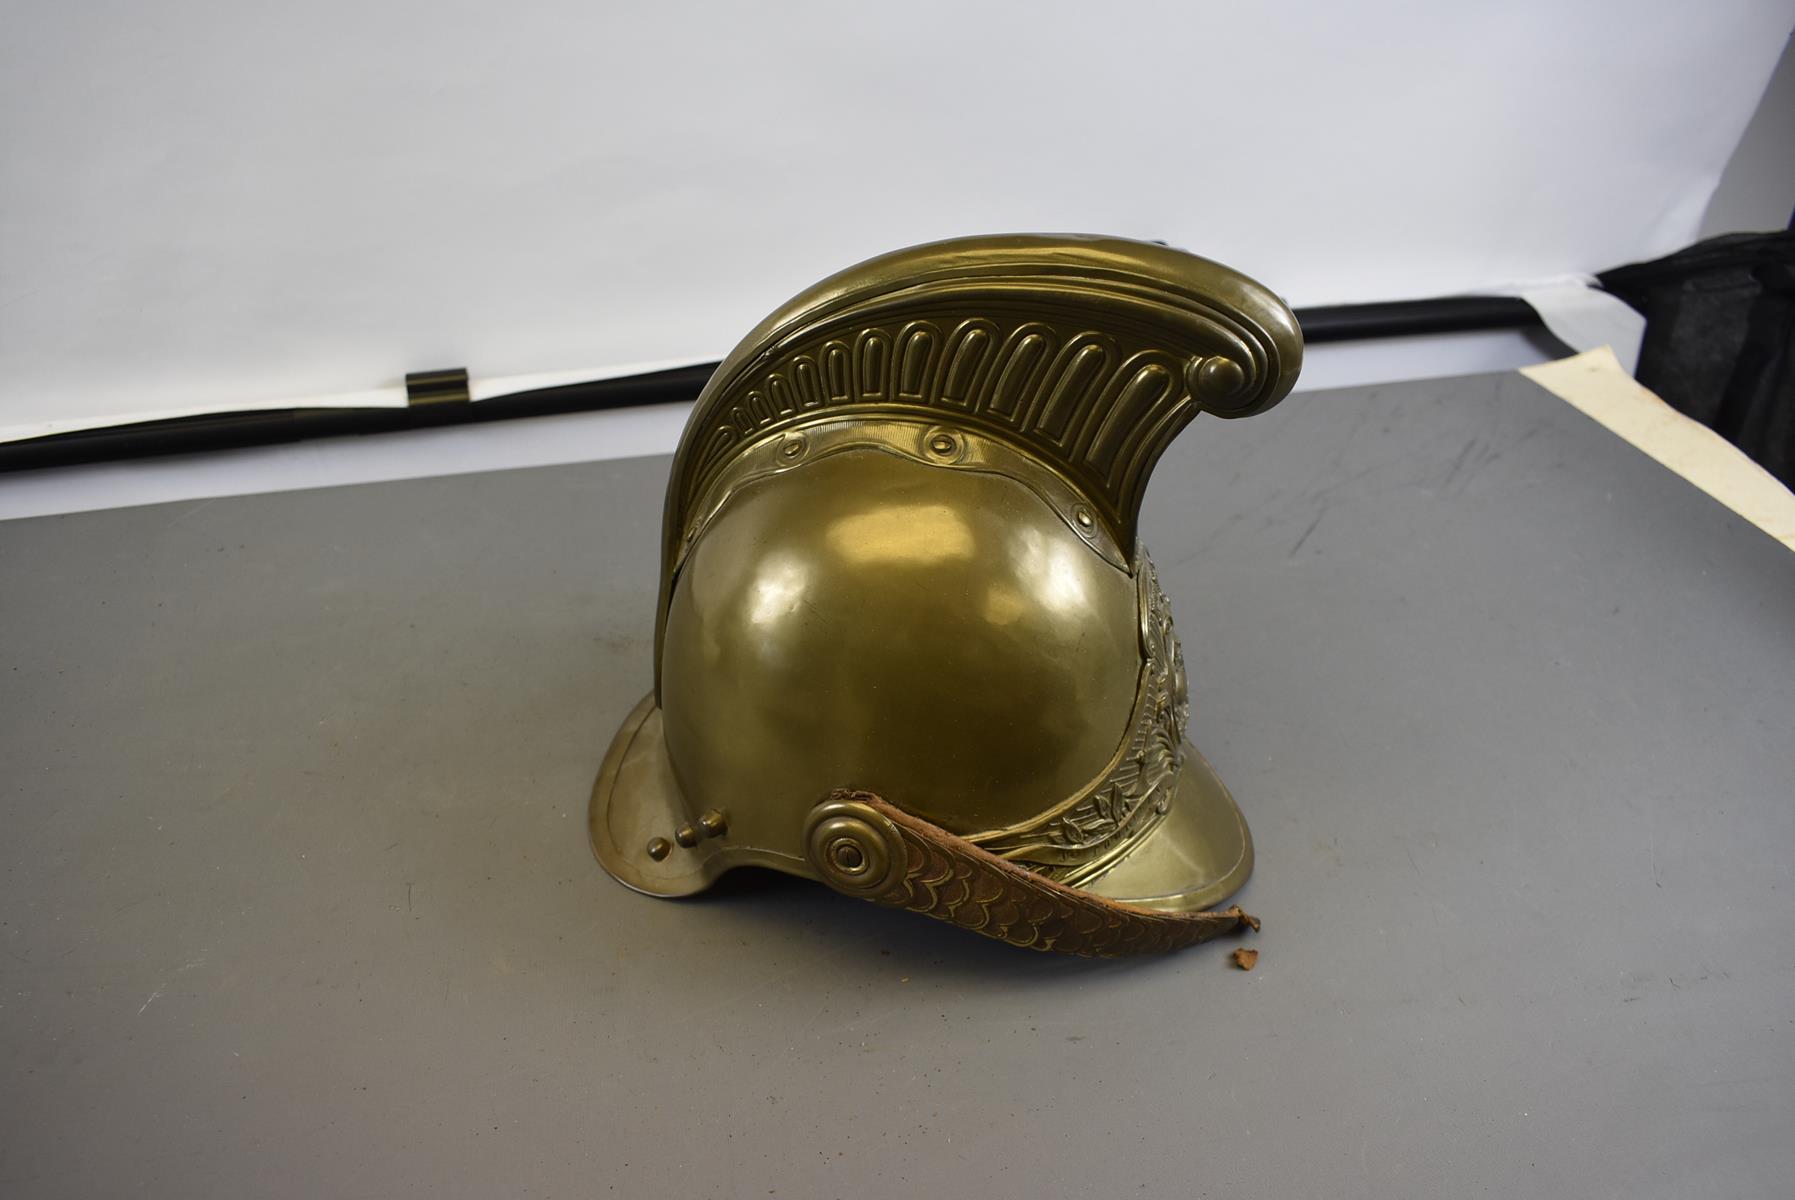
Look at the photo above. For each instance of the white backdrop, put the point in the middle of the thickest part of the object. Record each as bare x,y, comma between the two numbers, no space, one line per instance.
225,204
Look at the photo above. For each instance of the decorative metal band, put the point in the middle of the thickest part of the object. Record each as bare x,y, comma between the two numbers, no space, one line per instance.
1083,837
861,845
945,445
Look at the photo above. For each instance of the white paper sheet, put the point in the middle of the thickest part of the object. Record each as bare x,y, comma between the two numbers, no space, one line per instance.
1596,385
208,206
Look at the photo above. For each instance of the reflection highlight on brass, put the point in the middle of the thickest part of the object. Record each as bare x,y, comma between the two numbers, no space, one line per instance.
920,534
1004,605
777,590
1051,569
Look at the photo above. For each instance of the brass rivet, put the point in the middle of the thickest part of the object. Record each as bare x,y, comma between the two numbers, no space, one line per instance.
1218,377
942,444
713,824
848,856
792,449
1084,518
686,836
659,848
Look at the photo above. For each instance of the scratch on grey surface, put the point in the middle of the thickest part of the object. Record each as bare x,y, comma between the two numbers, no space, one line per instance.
1458,464
1215,535
1328,490
189,512
162,988
1476,454
1306,533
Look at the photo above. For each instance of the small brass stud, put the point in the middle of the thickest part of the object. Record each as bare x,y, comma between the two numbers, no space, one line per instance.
1084,518
1216,377
659,848
686,836
713,823
942,444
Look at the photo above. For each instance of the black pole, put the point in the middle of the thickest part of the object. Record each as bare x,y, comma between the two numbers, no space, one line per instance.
440,397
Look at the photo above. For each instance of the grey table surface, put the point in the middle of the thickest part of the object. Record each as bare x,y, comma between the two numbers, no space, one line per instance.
297,898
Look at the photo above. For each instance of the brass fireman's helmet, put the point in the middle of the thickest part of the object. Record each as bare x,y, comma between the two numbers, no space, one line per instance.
907,642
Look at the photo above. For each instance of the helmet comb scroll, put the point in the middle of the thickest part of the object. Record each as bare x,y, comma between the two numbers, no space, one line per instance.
1089,354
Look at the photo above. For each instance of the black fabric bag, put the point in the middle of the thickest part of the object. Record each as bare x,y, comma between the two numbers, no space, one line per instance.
1720,338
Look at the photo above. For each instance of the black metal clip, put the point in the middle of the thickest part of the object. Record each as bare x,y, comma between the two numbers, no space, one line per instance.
437,387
